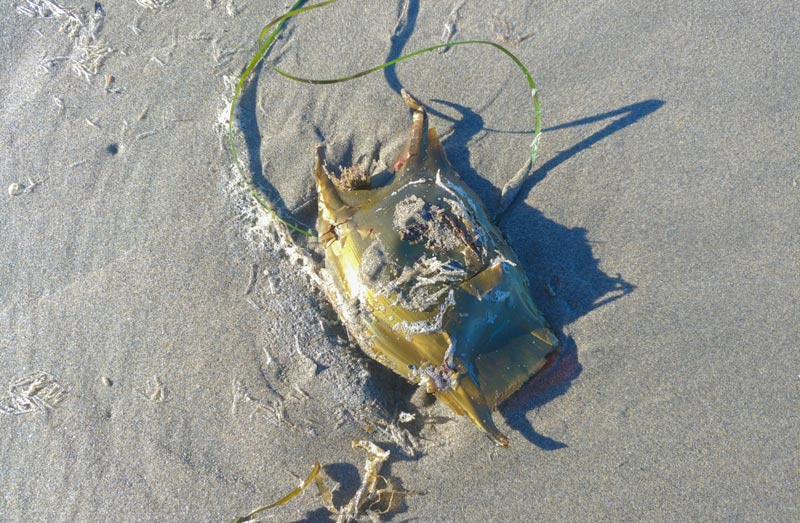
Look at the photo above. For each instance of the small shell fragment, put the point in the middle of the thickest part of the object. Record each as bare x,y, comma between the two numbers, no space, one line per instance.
15,189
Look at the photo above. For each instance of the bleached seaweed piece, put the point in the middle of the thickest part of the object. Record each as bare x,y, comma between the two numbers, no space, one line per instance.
142,136
368,492
59,102
375,494
504,32
134,26
89,50
16,188
36,392
153,4
230,8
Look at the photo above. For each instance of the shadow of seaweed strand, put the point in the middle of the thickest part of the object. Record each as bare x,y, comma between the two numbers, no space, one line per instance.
407,11
465,127
558,259
630,115
248,124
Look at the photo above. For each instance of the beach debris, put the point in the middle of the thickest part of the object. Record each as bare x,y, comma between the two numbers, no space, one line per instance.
504,32
240,395
15,189
268,359
426,283
401,437
105,380
109,87
253,277
411,253
89,50
59,103
406,417
36,392
134,26
450,27
402,20
381,425
285,499
230,8
552,285
272,410
50,9
375,495
310,365
223,116
153,4
221,56
299,393
159,393
146,134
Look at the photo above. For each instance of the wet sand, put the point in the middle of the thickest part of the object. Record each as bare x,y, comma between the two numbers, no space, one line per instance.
163,359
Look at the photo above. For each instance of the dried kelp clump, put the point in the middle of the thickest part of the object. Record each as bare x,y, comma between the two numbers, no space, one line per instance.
376,496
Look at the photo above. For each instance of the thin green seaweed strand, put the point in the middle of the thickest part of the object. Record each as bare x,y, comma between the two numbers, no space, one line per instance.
263,49
266,42
537,130
517,61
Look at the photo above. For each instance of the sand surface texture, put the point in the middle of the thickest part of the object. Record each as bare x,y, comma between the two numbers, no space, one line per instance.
162,358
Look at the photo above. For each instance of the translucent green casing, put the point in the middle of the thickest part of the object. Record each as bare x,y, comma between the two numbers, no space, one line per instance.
426,283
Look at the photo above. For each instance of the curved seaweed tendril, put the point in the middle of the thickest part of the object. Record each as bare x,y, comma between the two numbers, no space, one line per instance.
267,38
285,499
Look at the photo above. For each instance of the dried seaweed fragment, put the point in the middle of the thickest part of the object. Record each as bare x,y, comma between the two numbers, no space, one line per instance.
375,496
285,499
36,392
353,178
